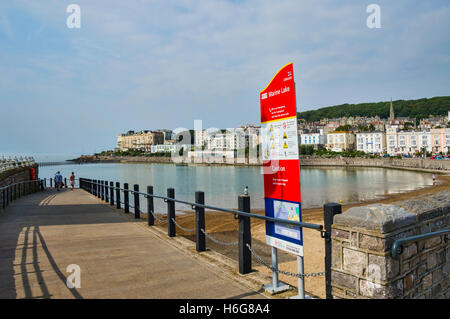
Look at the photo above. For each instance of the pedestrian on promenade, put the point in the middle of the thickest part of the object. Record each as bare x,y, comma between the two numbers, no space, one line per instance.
434,180
72,181
58,180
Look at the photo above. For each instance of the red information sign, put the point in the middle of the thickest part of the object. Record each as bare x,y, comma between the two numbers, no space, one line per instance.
280,160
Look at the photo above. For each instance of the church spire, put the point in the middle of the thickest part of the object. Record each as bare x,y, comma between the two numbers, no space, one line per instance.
391,113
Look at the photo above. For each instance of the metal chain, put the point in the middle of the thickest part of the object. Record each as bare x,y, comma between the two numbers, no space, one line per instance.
287,273
218,241
157,219
179,226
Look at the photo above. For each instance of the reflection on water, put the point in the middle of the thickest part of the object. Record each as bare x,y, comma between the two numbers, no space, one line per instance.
222,184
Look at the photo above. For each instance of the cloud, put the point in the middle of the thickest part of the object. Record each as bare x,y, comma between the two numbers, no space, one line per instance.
154,64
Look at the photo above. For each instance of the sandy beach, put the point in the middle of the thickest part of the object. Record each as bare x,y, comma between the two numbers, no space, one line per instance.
223,227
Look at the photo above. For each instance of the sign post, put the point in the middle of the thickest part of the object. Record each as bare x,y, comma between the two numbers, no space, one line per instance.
281,167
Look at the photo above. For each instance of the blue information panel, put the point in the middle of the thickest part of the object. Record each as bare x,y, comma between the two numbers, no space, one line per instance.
286,237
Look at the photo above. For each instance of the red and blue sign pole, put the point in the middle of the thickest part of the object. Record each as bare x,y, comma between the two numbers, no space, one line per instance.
281,166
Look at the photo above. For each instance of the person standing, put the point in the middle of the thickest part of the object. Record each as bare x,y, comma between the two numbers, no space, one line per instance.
72,181
434,180
58,180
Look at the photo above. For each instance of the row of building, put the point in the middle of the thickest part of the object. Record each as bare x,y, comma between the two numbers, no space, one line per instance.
393,136
392,142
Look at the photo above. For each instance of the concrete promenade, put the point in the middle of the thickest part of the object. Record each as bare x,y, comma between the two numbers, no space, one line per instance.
43,233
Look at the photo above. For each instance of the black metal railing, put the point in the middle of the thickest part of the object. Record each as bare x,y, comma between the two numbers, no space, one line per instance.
397,246
13,191
105,190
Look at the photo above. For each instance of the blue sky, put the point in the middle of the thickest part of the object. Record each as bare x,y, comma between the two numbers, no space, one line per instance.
141,64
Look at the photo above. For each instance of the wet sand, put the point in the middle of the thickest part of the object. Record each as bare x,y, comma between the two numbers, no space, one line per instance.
223,227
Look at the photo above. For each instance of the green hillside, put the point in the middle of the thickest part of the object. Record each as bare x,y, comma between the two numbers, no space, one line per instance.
418,109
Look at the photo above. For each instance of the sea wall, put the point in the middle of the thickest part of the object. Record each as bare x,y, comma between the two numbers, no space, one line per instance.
15,175
404,163
362,262
407,163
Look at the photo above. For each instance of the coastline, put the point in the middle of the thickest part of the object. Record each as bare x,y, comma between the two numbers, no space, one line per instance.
412,164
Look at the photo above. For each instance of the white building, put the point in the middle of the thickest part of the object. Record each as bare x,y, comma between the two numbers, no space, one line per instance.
407,142
371,142
164,148
314,139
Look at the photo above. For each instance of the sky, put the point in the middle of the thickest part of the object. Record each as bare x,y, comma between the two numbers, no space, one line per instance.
150,64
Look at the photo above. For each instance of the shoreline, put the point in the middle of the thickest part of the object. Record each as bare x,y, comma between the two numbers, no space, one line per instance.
416,164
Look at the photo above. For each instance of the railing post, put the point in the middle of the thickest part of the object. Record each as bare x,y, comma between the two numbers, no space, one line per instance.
329,211
106,191
126,198
117,195
102,189
137,213
97,189
65,182
51,182
171,212
245,237
150,208
111,194
4,198
45,183
200,222
19,190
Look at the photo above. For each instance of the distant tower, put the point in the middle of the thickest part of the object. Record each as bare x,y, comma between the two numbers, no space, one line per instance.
391,113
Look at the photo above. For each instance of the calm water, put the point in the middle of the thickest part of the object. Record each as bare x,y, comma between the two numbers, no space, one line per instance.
223,184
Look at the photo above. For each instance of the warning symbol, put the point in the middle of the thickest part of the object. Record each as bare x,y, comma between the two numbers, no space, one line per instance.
284,136
285,145
271,137
271,128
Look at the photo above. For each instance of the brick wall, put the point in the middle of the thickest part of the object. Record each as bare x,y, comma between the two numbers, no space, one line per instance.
362,263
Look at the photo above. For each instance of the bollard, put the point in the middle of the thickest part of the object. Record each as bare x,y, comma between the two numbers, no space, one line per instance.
137,213
111,193
45,183
151,218
65,182
200,221
329,211
117,195
245,237
51,182
125,198
106,191
171,212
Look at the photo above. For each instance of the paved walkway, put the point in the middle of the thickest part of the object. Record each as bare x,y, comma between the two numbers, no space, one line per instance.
43,233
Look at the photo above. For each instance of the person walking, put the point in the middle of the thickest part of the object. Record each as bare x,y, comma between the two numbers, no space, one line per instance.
434,180
72,181
58,180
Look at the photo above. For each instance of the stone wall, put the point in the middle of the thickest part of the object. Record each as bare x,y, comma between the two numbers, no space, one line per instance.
405,163
362,263
15,175
410,163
